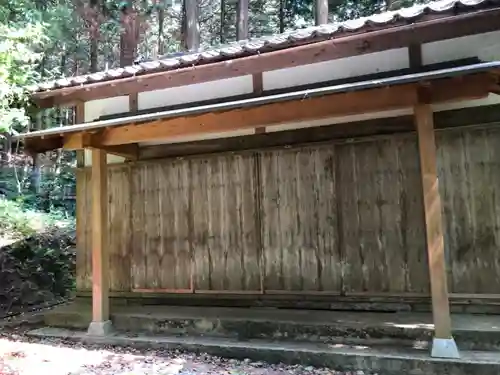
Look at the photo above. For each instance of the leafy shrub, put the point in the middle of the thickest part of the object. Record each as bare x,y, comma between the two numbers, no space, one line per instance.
16,221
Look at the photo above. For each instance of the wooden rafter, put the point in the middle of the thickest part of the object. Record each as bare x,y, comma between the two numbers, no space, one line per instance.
398,36
344,104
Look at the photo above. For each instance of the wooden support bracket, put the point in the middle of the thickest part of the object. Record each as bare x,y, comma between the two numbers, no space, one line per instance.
83,140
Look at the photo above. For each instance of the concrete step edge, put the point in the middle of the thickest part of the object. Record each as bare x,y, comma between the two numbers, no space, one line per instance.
387,360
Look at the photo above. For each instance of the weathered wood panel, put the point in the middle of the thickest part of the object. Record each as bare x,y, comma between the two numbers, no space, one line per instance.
344,217
160,226
119,231
119,235
469,170
299,220
175,226
83,234
382,219
225,248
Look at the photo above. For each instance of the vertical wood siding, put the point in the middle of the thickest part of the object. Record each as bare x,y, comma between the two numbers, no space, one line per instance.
225,251
299,220
160,226
469,170
336,218
380,201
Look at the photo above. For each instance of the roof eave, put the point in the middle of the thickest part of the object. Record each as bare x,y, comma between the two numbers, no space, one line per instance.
44,140
425,30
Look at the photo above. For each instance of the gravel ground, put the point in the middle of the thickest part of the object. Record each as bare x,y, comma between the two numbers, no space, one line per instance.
20,354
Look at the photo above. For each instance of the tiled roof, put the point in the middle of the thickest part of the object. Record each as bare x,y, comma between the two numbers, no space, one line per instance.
274,42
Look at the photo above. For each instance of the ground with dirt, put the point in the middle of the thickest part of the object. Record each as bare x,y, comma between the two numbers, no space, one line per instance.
37,270
22,355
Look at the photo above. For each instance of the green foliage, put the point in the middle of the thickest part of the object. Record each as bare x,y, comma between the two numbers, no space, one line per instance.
18,220
18,58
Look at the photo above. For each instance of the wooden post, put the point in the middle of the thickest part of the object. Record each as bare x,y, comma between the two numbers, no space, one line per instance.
242,20
101,325
321,12
192,26
443,344
80,119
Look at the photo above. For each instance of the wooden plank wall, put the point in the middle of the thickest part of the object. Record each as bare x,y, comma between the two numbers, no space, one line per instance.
469,170
340,218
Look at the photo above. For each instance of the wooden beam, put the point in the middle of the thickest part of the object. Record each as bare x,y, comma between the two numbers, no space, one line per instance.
133,102
399,36
258,88
92,141
270,114
350,103
129,151
37,146
257,83
100,256
415,55
433,222
80,119
321,12
242,20
338,133
495,89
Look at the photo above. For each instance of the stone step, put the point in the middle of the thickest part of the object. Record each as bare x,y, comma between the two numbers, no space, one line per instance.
383,360
282,325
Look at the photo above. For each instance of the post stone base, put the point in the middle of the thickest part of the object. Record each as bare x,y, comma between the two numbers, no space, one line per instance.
100,328
444,348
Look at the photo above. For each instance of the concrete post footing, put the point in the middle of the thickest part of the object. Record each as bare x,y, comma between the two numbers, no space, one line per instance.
444,348
100,328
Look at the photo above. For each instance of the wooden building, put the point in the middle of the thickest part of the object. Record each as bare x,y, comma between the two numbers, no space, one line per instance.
303,164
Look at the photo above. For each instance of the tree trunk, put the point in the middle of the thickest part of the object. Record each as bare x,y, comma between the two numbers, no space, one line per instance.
36,124
223,21
94,46
161,37
321,12
242,20
6,152
35,174
129,37
392,4
192,25
282,16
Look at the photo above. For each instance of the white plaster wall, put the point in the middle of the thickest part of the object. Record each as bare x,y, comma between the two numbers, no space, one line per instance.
195,93
337,69
112,159
103,107
485,46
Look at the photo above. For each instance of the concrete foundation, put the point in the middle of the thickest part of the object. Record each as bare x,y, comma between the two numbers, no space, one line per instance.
100,328
402,330
387,343
444,348
381,360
